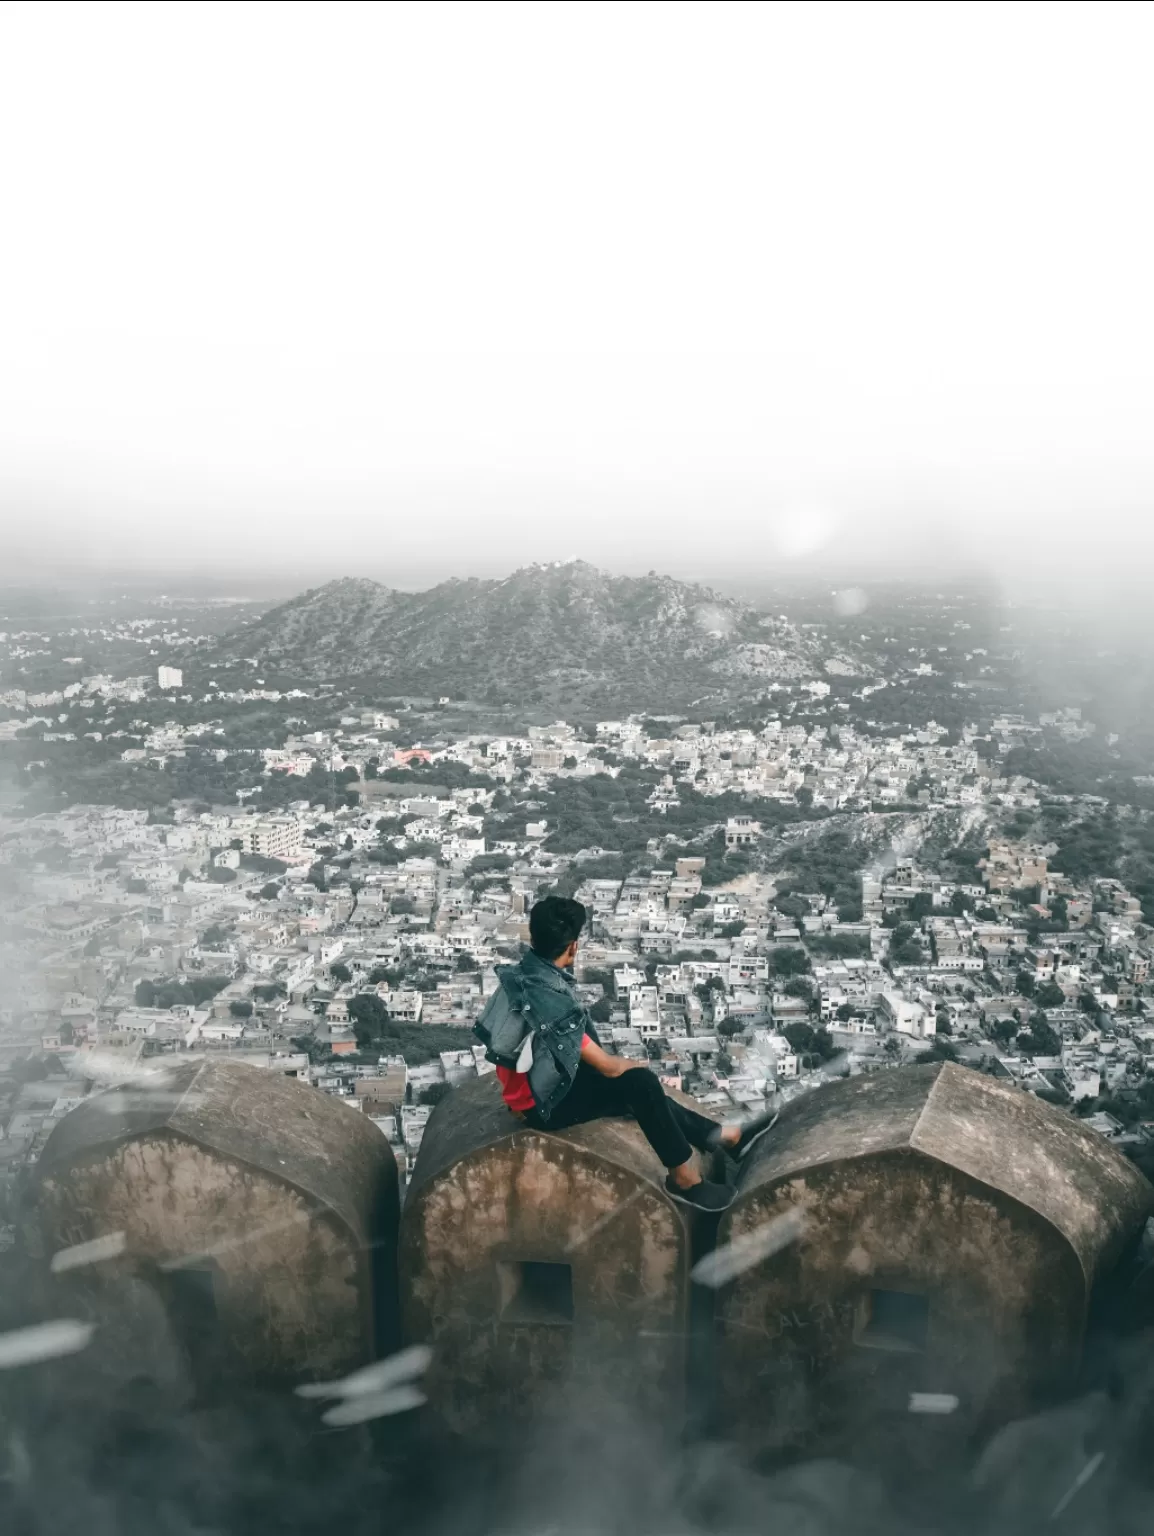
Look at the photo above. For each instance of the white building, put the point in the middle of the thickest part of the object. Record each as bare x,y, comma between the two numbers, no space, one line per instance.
644,1011
907,1017
625,978
741,830
141,1023
169,677
404,1005
271,837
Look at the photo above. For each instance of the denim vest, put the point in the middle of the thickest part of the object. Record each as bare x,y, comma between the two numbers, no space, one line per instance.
558,1020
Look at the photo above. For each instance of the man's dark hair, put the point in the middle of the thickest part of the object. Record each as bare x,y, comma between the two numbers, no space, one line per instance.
554,923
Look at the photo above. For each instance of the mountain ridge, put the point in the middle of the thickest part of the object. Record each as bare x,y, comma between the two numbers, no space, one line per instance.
544,631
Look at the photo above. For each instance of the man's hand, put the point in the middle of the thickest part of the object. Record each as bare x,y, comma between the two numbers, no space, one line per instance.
601,1061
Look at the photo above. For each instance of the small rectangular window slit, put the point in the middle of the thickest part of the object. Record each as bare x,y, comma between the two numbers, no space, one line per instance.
532,1292
896,1320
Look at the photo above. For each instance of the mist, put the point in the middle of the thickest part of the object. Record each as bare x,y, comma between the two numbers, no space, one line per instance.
420,291
843,310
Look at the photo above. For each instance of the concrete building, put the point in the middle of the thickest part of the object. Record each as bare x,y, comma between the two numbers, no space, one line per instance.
1013,866
169,677
263,1214
272,837
907,1016
540,1265
740,831
954,1229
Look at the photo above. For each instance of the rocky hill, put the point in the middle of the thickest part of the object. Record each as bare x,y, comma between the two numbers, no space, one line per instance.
567,633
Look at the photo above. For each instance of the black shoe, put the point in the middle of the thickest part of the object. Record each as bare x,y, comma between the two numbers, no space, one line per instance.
702,1197
752,1131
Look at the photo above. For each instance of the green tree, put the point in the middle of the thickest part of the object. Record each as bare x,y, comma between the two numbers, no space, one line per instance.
339,971
489,863
1024,984
801,986
1046,1037
263,866
370,1018
941,1050
1053,1095
186,992
434,1093
807,1041
789,960
904,946
1003,1031
839,945
1041,1039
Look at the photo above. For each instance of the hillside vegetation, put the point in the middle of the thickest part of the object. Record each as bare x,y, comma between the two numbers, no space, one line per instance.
566,633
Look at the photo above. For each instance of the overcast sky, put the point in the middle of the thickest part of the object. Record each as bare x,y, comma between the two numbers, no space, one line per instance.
410,291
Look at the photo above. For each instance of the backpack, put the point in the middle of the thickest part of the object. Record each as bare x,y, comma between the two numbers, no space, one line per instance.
504,1027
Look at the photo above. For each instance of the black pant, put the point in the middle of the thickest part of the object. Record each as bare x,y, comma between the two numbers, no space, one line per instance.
671,1129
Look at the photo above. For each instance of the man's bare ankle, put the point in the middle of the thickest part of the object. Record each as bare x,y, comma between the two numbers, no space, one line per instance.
686,1176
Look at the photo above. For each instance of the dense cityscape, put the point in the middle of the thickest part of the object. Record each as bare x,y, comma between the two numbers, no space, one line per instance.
576,770
794,892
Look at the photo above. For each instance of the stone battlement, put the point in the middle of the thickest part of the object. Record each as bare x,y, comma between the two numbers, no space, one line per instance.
946,1236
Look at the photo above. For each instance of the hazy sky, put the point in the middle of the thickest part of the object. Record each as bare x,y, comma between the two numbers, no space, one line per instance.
409,291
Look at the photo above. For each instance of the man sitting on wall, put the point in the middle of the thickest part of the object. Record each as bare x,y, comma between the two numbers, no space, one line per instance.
563,1077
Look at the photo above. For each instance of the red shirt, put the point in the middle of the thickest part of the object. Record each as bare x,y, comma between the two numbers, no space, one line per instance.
515,1088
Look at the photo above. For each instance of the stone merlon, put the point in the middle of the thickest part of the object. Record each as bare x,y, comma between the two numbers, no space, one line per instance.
954,1231
264,1214
531,1258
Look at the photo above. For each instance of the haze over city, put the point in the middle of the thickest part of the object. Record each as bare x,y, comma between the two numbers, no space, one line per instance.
576,769
432,291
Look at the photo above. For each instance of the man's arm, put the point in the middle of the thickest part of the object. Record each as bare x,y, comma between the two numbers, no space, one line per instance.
601,1061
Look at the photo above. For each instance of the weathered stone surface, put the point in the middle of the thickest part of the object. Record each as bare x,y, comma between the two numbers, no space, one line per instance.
954,1230
262,1213
489,1195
